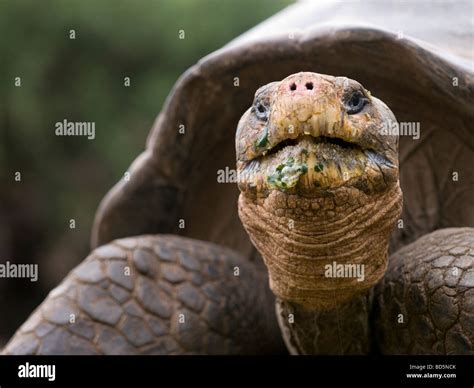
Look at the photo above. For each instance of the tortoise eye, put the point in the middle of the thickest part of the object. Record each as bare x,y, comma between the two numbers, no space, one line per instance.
261,111
355,103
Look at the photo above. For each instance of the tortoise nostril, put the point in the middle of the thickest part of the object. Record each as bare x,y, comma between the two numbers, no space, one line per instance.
309,85
293,86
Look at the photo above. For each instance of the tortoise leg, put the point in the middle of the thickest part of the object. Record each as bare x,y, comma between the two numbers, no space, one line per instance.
155,295
425,303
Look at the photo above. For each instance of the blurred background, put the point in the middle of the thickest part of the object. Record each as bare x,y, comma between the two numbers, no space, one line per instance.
64,178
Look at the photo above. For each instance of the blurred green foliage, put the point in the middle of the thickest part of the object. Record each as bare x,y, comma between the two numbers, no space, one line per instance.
64,178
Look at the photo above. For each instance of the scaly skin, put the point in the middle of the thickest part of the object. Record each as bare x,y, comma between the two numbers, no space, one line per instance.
425,302
141,313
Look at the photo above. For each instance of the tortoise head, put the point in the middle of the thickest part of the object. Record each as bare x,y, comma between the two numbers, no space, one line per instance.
318,176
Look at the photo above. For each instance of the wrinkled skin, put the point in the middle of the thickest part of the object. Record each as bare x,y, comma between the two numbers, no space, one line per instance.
329,195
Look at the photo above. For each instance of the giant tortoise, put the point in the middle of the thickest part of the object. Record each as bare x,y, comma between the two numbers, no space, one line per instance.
355,109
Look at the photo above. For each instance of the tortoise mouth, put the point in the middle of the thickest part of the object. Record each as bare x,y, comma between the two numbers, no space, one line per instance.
308,165
341,143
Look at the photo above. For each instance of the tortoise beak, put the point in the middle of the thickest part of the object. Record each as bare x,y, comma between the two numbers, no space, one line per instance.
308,104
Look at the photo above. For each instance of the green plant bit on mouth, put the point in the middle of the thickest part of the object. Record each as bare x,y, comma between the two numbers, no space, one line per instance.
287,174
262,141
289,162
318,167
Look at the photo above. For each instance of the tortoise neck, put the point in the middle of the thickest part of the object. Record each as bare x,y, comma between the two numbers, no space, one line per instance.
341,329
321,251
